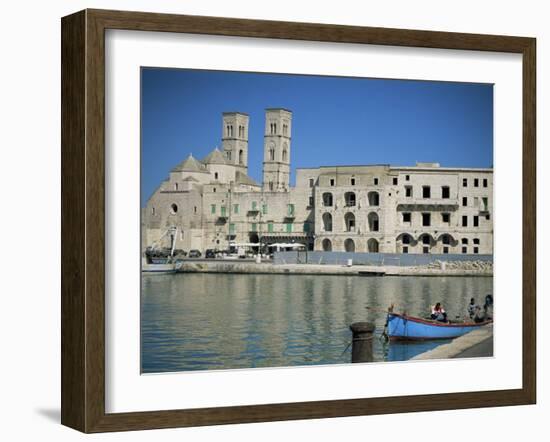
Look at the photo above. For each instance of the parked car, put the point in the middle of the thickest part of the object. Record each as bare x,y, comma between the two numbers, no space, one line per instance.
194,253
180,252
209,254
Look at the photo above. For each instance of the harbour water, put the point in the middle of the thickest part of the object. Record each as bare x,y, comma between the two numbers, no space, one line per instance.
207,321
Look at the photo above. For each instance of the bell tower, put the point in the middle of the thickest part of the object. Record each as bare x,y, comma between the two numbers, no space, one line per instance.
277,136
235,139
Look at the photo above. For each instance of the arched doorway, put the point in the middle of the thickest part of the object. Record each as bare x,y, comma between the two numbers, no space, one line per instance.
349,245
372,245
327,245
427,242
405,243
446,239
447,242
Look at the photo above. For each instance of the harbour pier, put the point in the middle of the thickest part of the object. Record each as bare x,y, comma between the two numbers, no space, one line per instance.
476,344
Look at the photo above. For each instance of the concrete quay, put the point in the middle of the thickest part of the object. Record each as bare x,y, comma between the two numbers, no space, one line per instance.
221,266
476,344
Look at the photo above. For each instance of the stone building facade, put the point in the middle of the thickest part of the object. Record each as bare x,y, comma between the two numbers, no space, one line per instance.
373,208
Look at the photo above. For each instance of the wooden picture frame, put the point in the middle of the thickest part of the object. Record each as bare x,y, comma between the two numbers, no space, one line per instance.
83,220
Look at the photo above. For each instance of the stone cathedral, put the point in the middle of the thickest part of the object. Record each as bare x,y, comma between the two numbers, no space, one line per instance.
212,202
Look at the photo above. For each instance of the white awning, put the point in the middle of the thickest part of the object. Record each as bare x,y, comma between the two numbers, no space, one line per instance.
244,244
287,245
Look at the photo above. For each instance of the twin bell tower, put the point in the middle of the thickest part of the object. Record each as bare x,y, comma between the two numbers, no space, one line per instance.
277,136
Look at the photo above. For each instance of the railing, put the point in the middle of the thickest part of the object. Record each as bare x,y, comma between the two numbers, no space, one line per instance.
427,201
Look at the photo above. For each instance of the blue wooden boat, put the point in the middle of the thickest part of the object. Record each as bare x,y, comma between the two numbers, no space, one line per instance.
404,327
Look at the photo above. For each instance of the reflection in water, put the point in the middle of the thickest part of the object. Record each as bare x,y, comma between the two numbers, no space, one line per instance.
221,321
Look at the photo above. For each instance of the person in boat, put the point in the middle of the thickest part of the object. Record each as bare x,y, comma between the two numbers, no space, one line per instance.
479,315
438,313
472,307
488,307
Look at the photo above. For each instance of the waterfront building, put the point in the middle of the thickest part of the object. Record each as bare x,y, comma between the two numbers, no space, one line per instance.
423,208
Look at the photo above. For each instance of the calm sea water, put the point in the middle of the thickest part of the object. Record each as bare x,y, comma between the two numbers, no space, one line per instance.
223,321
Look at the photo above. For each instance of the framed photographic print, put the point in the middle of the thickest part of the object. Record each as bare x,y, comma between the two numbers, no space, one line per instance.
269,220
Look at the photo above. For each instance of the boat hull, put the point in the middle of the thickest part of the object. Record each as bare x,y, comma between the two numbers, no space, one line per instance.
403,327
170,267
158,268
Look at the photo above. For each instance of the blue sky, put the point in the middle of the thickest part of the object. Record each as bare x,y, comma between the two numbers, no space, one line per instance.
336,121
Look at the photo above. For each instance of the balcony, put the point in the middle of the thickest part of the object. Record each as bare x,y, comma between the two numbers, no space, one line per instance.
412,204
484,210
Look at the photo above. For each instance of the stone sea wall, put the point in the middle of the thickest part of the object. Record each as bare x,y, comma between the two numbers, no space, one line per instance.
220,266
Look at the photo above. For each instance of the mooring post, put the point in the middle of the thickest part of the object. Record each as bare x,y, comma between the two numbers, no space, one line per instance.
361,344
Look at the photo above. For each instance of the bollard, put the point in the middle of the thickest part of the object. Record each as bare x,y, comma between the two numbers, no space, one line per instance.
361,344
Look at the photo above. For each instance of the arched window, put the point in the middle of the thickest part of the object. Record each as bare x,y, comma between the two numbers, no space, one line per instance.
173,209
349,222
241,157
349,245
406,241
349,198
215,175
285,154
272,153
228,154
426,239
372,245
327,222
327,199
327,245
374,199
176,186
373,222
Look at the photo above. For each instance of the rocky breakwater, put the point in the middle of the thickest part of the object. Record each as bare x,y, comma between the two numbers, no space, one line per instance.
448,268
